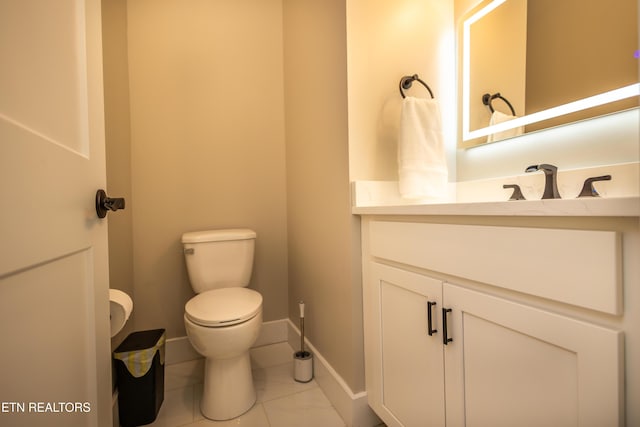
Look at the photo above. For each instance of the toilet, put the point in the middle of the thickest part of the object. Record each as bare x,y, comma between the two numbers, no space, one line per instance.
224,318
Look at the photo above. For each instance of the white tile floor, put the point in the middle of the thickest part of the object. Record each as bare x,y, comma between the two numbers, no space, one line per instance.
282,402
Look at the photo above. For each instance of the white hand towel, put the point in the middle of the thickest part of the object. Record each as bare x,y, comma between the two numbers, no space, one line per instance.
422,165
498,117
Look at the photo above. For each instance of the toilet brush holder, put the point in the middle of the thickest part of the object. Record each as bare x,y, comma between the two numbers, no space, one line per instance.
302,360
302,366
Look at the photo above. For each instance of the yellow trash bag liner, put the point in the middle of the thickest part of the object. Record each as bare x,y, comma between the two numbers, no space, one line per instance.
138,350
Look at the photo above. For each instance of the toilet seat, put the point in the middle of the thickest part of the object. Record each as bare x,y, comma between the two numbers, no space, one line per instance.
223,307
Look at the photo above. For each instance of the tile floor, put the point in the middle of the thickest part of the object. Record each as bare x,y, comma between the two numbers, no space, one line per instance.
282,402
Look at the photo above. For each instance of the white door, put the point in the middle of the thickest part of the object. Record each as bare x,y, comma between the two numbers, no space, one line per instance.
54,331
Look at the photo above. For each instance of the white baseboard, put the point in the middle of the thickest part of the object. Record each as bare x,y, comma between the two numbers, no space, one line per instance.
179,349
272,332
352,407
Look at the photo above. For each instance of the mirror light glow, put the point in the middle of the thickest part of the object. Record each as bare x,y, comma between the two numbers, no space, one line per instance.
581,104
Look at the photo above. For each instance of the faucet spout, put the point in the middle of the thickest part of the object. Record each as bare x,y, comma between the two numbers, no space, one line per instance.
550,180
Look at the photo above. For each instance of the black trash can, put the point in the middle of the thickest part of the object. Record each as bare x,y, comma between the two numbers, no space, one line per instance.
139,362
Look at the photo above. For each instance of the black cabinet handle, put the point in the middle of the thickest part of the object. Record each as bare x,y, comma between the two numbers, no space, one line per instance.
445,338
430,329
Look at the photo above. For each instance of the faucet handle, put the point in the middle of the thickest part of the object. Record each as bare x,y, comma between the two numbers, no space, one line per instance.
588,190
517,193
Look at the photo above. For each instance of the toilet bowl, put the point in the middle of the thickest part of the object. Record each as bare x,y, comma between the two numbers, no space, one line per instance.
223,320
225,341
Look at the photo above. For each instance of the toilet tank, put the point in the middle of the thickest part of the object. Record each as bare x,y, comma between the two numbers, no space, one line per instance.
219,258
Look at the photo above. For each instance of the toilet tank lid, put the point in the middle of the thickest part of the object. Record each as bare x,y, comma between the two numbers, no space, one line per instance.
218,235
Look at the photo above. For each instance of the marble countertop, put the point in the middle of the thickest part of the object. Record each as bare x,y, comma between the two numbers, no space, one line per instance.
619,197
622,207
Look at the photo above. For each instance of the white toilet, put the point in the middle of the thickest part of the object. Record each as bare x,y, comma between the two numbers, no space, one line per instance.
224,318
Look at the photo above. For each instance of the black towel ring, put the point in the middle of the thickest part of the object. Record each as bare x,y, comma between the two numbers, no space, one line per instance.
487,98
406,81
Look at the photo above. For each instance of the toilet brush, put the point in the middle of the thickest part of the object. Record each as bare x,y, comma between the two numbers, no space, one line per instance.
302,360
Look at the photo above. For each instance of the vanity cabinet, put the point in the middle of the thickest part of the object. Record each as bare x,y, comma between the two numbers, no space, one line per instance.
442,353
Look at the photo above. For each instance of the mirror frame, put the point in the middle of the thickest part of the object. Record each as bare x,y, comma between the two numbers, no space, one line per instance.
571,107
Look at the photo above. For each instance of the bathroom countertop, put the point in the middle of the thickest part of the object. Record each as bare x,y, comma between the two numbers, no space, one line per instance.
611,207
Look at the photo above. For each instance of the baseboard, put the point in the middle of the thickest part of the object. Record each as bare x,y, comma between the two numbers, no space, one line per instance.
272,332
178,350
352,407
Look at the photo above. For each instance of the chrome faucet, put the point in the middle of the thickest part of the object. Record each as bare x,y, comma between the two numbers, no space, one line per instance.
550,180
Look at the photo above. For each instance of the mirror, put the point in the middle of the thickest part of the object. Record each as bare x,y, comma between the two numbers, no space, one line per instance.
552,61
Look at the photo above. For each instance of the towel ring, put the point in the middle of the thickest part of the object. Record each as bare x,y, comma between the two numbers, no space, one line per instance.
406,81
487,98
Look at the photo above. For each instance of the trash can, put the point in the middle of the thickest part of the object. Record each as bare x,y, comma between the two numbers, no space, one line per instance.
139,362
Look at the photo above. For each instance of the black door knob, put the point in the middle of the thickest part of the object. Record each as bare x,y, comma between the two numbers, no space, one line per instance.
105,204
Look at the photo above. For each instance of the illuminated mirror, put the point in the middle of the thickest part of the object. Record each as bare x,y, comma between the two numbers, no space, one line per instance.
552,61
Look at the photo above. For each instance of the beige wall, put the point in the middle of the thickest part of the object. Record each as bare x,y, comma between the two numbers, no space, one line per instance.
207,144
118,147
386,41
324,256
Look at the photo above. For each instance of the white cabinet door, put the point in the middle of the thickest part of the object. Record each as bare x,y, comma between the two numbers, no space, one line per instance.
510,364
408,361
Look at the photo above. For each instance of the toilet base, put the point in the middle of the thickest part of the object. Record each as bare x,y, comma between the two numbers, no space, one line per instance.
228,388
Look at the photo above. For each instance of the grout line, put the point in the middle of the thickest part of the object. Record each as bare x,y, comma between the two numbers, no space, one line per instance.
194,404
266,415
